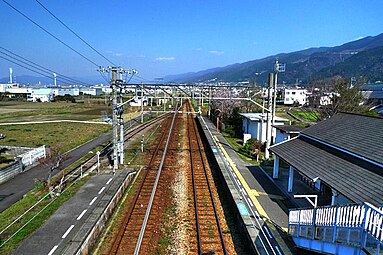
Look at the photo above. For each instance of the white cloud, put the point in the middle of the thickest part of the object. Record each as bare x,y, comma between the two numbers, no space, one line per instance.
165,58
199,49
118,54
216,52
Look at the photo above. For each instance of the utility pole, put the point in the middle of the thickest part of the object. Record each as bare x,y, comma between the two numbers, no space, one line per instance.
268,117
277,68
114,118
142,102
117,113
209,111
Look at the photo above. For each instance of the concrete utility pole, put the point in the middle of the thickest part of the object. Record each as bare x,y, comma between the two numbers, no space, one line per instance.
117,113
142,102
268,117
277,68
114,118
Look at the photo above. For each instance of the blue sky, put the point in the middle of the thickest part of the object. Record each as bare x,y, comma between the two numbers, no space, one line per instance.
159,38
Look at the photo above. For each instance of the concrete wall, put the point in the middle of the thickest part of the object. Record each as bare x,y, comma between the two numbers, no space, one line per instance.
10,171
15,151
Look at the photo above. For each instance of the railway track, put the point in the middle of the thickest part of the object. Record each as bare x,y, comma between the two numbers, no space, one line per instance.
209,237
140,229
141,221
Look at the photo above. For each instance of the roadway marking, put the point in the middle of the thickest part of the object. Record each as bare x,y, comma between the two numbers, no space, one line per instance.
101,190
109,181
82,214
242,180
68,231
91,202
53,250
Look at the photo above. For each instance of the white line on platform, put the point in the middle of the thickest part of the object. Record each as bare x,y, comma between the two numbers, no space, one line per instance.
91,202
279,251
109,181
68,231
268,232
250,202
53,250
256,213
101,190
82,214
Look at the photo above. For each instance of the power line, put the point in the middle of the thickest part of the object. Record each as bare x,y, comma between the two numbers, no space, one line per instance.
26,67
46,31
40,67
73,32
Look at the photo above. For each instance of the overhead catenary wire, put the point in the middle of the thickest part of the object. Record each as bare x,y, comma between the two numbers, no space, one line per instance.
73,32
49,33
40,67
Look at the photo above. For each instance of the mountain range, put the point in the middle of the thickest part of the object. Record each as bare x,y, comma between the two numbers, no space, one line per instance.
363,57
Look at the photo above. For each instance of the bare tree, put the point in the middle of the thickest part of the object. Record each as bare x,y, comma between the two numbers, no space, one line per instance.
52,161
334,95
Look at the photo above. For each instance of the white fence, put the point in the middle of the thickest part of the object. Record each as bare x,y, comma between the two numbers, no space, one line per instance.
366,218
32,156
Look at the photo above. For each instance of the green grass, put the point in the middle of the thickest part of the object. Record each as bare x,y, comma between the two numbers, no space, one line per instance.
168,230
308,116
65,135
27,111
236,144
31,198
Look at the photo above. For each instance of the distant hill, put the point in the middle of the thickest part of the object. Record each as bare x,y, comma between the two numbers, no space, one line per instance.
360,57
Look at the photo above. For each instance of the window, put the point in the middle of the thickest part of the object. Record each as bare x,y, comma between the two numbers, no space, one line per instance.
293,93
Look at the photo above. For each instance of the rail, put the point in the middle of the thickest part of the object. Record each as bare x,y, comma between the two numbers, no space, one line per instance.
128,218
193,168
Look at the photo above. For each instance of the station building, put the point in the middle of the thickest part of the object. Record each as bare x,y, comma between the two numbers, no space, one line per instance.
342,155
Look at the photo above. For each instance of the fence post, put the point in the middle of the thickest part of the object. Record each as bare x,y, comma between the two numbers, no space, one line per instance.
364,231
335,224
313,225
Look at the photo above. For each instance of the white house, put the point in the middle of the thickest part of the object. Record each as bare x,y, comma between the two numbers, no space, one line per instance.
41,95
254,124
292,96
137,101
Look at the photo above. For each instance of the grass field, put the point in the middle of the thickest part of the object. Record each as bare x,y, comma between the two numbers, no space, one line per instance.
11,111
66,135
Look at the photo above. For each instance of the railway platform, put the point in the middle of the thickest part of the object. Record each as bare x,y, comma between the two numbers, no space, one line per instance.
262,208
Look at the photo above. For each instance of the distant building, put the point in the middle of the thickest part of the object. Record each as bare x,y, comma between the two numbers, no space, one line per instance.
41,95
295,96
66,91
4,87
91,91
372,91
254,126
138,101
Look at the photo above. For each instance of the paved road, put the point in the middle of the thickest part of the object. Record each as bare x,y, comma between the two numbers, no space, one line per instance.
16,188
61,227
